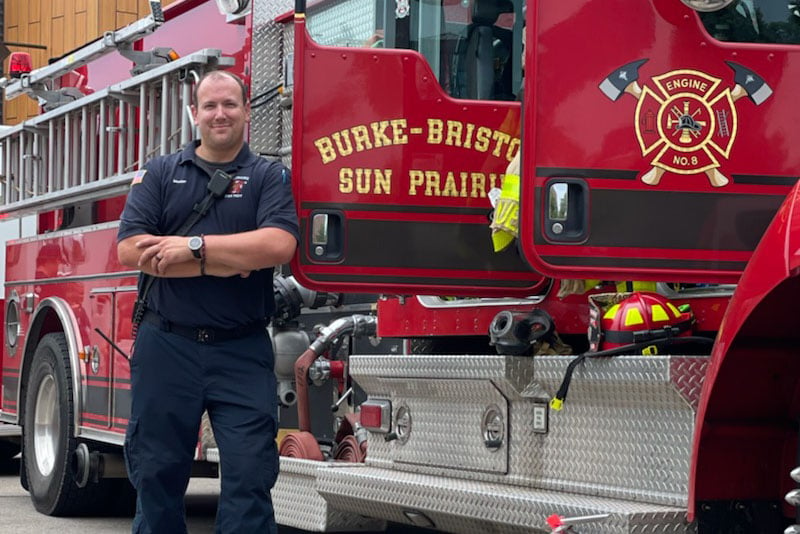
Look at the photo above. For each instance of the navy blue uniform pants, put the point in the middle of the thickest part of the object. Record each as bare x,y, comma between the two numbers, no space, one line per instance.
173,379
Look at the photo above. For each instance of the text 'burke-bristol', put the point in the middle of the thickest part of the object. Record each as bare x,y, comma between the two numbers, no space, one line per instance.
424,182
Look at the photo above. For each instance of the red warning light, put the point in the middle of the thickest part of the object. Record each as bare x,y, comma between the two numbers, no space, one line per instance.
19,64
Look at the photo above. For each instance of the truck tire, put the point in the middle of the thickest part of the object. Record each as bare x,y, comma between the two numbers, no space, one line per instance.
48,433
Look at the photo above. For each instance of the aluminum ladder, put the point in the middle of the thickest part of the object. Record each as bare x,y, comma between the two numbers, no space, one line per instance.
90,148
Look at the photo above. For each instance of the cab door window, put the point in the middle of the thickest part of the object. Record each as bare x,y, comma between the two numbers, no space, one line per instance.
474,47
755,21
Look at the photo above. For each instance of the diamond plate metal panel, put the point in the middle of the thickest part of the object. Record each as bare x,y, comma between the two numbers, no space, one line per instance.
626,428
266,136
470,506
688,375
286,111
446,421
298,504
511,374
625,431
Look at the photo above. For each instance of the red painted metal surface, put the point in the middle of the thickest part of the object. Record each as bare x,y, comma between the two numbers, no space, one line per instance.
408,317
81,270
746,437
573,129
377,140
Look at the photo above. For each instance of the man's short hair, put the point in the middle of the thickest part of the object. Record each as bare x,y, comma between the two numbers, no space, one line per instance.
220,74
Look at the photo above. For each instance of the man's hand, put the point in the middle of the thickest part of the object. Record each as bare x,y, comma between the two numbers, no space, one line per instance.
159,252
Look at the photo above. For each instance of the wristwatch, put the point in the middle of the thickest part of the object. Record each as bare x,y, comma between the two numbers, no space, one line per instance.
196,246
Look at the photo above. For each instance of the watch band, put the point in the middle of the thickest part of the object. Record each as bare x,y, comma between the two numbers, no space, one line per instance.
202,255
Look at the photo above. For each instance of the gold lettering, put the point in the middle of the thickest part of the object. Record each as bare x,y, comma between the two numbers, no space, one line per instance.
363,181
338,138
435,128
468,140
450,186
383,182
326,151
463,175
432,184
482,138
478,185
513,146
454,129
416,179
501,138
361,137
398,127
379,133
366,181
686,83
345,180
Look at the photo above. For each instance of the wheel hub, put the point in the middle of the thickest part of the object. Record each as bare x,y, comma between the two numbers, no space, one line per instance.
46,424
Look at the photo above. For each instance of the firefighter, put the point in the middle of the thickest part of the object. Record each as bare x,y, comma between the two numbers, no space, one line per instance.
202,343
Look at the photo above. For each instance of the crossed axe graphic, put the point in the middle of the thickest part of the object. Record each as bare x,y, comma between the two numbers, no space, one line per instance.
625,80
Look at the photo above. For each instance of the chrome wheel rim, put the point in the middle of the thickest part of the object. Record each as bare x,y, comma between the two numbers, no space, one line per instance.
47,420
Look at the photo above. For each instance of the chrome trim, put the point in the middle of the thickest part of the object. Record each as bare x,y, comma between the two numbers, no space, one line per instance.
433,302
719,290
363,307
68,322
212,455
66,232
14,299
76,278
112,289
10,429
104,436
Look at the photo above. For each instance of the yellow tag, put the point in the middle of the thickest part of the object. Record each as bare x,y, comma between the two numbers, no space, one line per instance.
556,404
505,222
501,239
650,350
506,216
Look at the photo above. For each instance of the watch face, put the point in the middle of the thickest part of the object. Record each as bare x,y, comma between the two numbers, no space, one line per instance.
195,245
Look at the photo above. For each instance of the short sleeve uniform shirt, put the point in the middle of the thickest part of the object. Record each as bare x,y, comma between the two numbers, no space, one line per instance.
161,200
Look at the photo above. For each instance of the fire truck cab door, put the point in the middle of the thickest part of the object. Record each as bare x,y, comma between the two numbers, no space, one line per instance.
663,150
392,170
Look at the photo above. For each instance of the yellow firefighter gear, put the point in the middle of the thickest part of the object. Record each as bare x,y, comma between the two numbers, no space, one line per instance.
505,223
630,287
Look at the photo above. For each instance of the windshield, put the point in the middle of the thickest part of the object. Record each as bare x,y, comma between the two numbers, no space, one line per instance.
473,46
756,21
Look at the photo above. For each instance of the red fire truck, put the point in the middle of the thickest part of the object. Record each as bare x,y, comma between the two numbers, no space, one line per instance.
659,150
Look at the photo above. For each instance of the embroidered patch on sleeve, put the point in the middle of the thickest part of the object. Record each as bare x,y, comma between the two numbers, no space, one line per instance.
138,177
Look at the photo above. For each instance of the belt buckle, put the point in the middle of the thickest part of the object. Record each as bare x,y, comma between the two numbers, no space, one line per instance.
204,335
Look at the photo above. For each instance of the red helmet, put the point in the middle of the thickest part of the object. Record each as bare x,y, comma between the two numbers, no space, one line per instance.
643,316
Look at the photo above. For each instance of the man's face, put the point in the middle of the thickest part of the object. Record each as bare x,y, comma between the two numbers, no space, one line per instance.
220,114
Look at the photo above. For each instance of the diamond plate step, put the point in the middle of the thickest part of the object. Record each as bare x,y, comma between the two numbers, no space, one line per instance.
455,505
298,504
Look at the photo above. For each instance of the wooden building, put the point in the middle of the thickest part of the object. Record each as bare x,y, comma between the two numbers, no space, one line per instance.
60,26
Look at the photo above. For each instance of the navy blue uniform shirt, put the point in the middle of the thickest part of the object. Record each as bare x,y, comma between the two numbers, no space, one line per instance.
162,199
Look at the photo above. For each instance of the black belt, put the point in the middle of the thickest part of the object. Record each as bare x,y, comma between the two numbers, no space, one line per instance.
202,334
